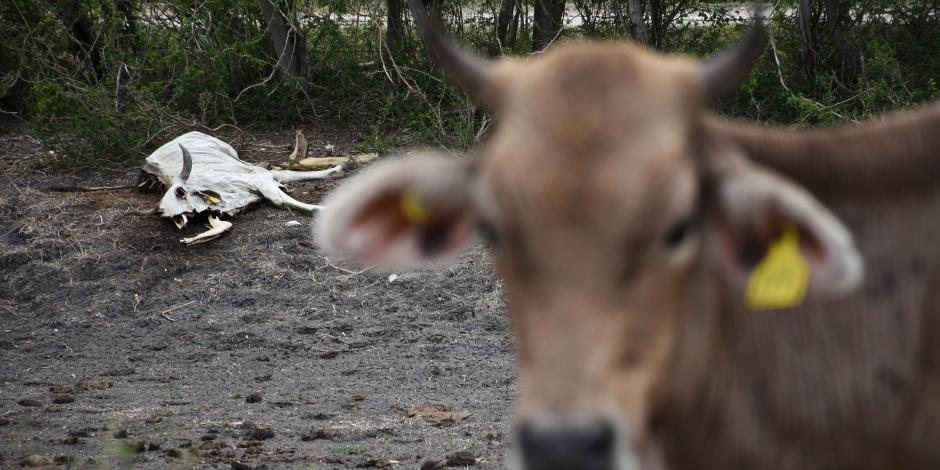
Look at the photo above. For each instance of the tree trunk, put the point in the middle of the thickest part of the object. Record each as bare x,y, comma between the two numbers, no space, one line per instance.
807,23
83,42
546,22
503,19
657,23
287,40
394,26
636,20
850,65
433,6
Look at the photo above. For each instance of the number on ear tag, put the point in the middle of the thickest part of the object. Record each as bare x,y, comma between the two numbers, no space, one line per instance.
781,279
413,209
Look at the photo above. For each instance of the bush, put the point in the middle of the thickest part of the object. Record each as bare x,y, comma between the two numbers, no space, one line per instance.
210,64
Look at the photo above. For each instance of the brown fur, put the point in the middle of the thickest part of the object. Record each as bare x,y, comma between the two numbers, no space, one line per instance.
599,143
895,153
601,153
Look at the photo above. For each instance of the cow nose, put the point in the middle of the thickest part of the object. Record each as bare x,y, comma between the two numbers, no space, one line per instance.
567,444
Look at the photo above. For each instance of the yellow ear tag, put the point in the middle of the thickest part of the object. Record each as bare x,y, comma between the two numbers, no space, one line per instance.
413,209
781,279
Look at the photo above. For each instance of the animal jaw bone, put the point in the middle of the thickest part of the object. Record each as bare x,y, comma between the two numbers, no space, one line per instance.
216,228
203,174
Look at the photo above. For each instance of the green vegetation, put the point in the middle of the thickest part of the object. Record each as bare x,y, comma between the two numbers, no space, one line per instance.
109,80
347,450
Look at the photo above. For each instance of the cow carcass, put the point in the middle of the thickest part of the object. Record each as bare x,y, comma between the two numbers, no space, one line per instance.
201,174
629,224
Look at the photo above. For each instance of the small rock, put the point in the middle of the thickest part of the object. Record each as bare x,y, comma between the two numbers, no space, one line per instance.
374,463
432,465
146,446
209,445
329,355
54,409
315,434
69,441
260,432
36,460
63,398
253,397
79,433
65,459
4,422
293,223
59,388
461,459
28,402
120,434
173,453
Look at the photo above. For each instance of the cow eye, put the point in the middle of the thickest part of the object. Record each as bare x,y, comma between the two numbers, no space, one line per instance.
180,192
679,233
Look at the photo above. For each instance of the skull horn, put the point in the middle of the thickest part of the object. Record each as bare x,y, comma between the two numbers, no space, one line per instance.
187,164
724,72
471,72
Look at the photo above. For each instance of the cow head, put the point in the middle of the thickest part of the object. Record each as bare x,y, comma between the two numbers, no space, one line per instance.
178,203
601,195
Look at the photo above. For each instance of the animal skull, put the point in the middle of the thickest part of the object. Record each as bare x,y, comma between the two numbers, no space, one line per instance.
203,174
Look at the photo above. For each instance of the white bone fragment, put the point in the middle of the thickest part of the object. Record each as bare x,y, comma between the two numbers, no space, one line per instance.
217,228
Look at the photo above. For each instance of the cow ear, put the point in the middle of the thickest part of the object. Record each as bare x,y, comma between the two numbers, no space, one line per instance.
401,213
776,241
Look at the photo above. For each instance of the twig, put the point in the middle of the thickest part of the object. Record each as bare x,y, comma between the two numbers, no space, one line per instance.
328,263
88,189
173,309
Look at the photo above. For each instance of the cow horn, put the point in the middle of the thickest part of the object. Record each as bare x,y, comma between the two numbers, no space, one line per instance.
187,164
470,71
724,72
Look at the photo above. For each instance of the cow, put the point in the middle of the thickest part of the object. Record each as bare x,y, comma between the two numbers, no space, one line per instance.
200,174
629,222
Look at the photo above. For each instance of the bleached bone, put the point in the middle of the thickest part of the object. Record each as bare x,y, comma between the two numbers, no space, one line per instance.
202,174
217,228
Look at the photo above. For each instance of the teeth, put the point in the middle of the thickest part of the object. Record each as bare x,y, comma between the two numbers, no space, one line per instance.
180,220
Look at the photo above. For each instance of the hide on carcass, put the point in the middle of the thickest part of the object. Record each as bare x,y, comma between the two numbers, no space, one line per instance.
201,174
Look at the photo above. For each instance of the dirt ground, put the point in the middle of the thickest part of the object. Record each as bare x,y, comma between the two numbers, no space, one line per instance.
121,347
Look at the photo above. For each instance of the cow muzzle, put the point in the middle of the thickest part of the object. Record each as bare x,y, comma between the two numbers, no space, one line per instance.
569,443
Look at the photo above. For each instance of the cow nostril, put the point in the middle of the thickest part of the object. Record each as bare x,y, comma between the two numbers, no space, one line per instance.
567,444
